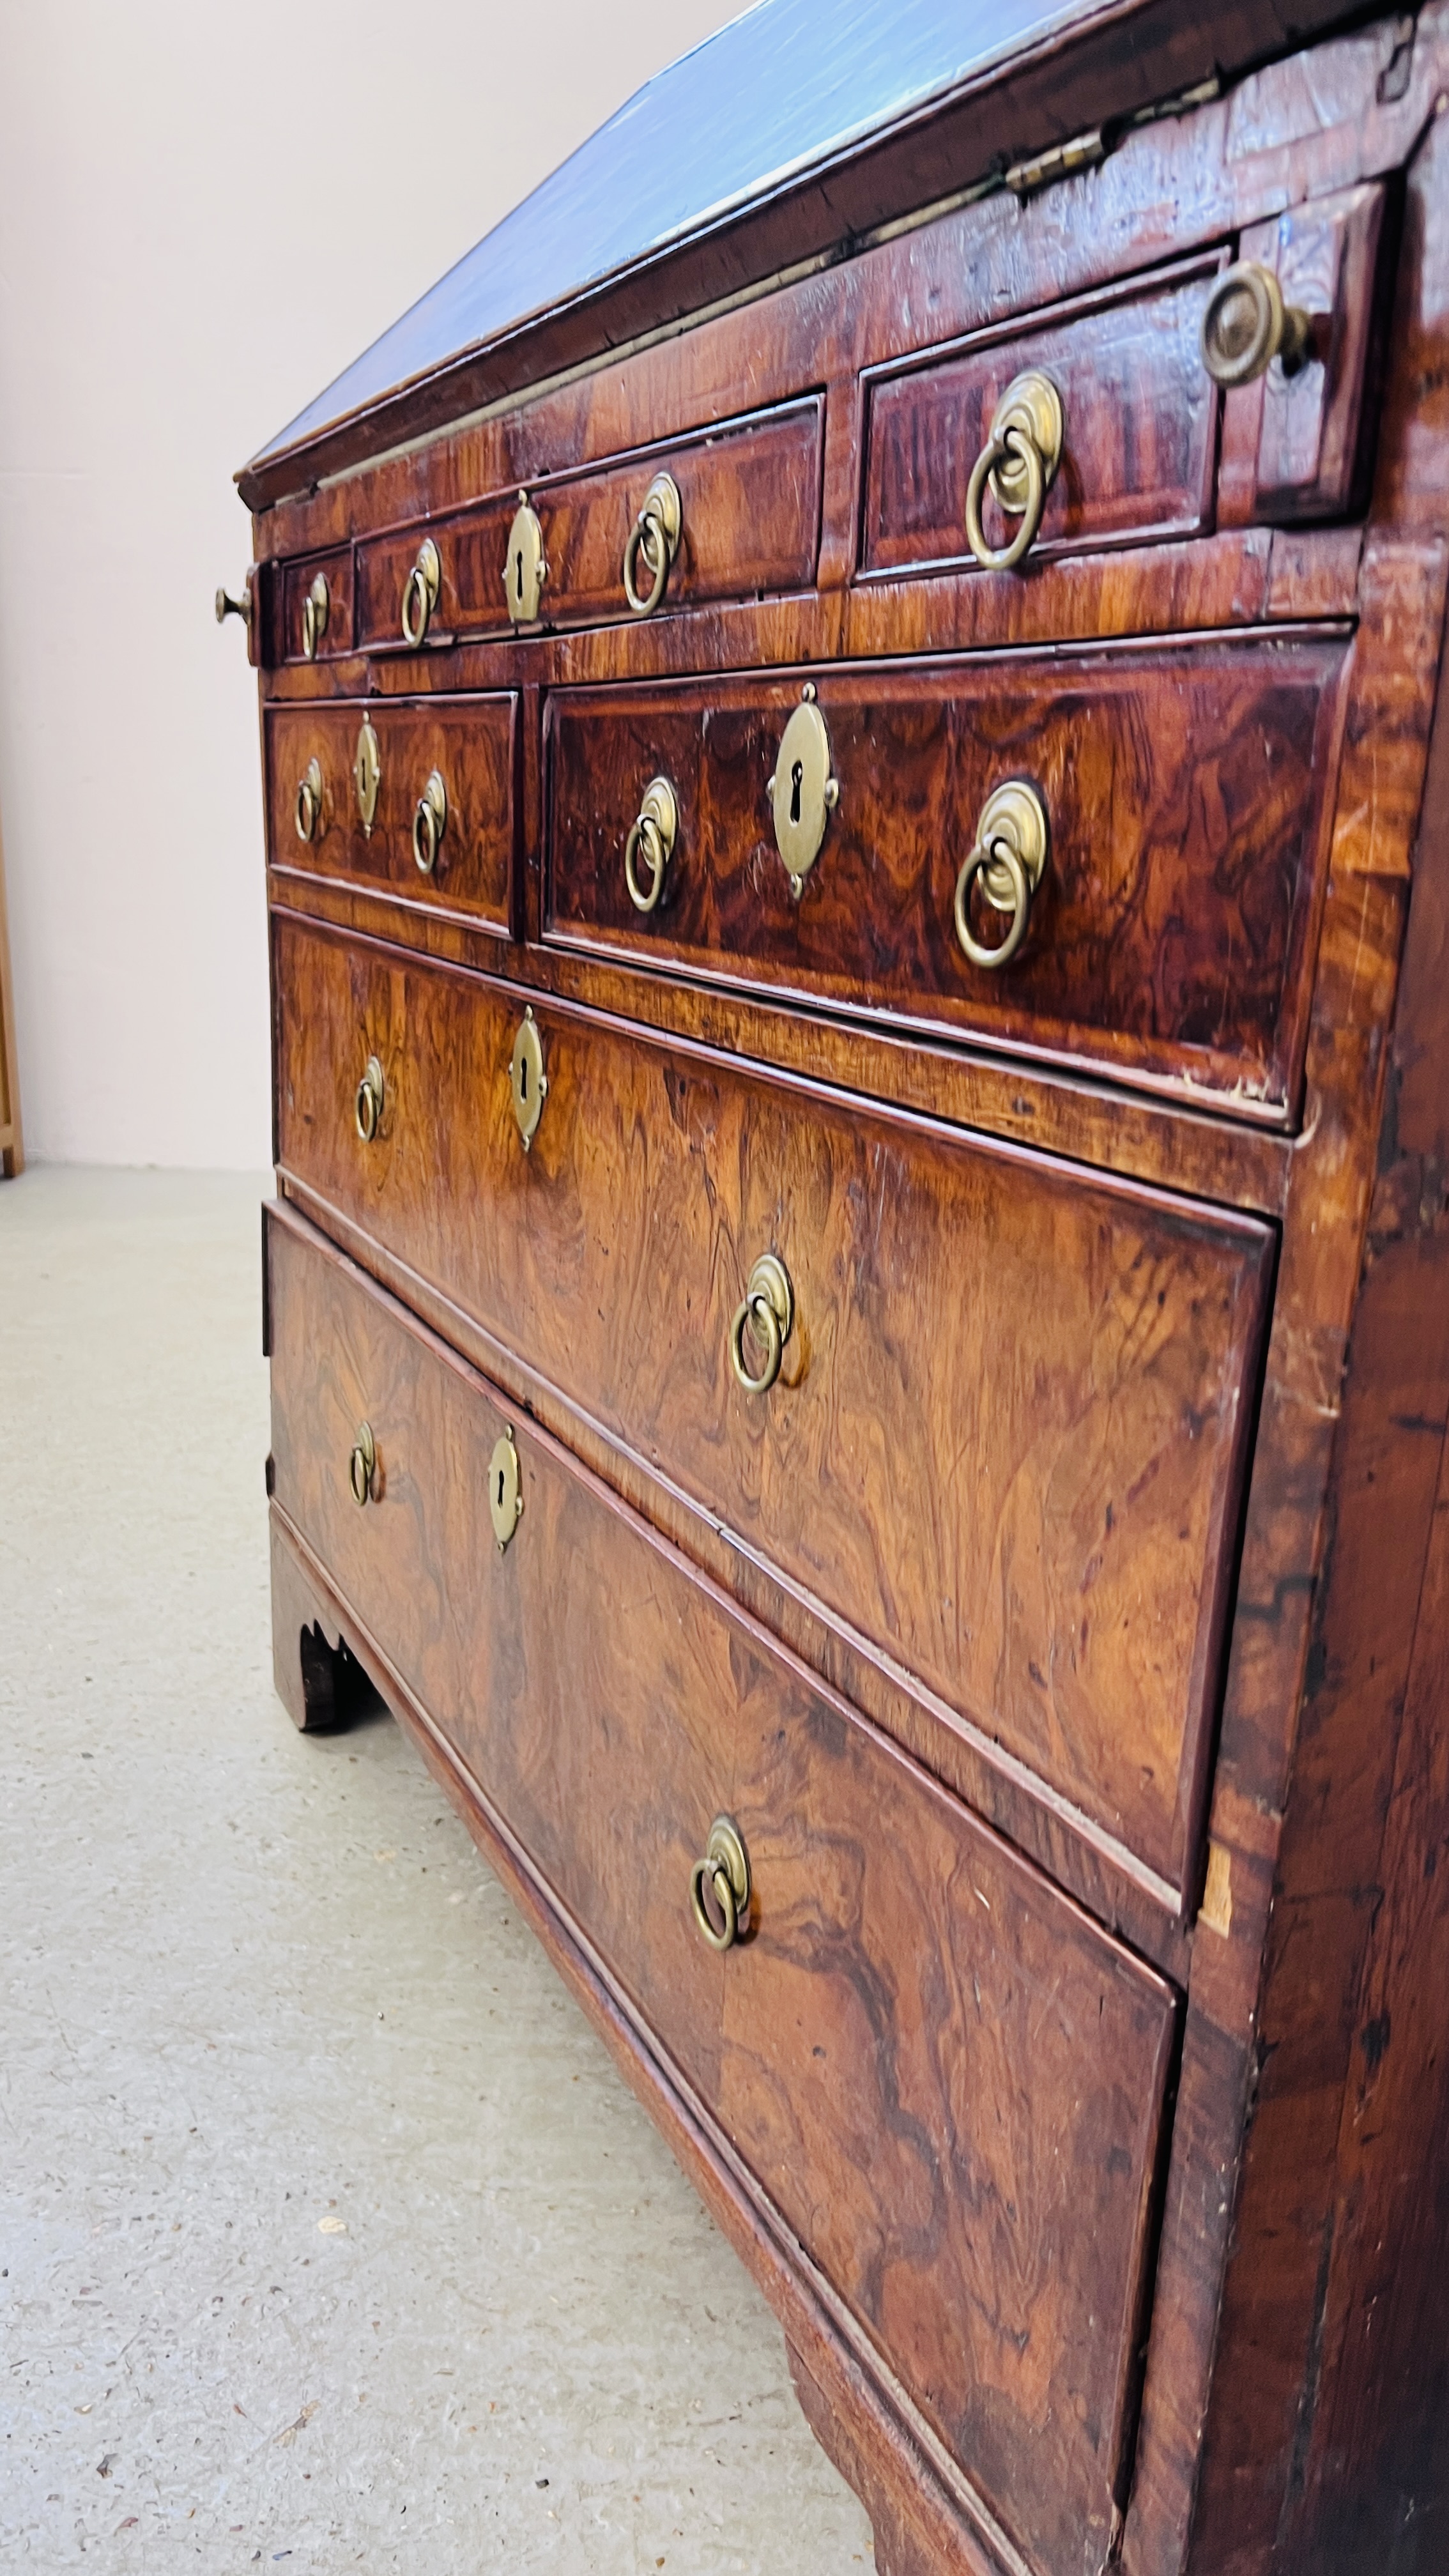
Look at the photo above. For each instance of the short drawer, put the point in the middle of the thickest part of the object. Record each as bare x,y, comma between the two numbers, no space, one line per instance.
1005,1443
948,2081
749,524
416,797
1181,795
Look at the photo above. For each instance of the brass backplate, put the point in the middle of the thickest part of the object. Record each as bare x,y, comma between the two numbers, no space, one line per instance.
526,1078
802,791
1032,405
505,1501
367,773
1013,812
525,571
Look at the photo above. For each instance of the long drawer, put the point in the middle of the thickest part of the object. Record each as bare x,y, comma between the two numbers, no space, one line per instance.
1005,1444
1182,796
413,798
946,2079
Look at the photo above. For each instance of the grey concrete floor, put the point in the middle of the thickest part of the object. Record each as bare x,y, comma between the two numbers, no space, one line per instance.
330,2236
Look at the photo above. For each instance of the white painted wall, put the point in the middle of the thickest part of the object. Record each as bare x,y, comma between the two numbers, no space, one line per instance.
205,212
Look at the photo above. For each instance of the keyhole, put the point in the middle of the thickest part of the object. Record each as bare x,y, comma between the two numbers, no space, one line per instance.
518,575
797,773
523,1079
500,1489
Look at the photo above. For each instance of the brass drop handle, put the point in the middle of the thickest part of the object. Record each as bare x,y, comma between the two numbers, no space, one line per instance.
767,1311
1006,861
309,801
652,836
430,822
1246,325
1019,461
719,1886
371,1096
362,1466
315,609
226,606
654,541
420,594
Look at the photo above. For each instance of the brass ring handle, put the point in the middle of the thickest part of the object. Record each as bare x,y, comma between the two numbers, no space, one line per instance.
308,816
654,832
371,1095
420,594
315,608
1246,325
430,822
655,535
1019,460
767,1307
362,1465
1007,861
724,1875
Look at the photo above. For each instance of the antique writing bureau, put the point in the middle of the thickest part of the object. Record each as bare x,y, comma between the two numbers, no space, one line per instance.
858,840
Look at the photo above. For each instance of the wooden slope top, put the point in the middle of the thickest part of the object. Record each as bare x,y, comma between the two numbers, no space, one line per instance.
784,137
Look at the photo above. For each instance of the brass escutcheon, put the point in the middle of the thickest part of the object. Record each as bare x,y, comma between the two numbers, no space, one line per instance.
367,774
308,816
767,1310
527,1080
430,822
315,609
524,568
652,836
1246,325
654,539
1022,452
505,1502
1007,862
420,594
803,794
719,1886
362,1466
371,1097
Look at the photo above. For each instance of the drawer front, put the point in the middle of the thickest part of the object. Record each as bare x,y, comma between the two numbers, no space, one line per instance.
1183,794
750,524
469,744
1005,1443
949,2082
1139,429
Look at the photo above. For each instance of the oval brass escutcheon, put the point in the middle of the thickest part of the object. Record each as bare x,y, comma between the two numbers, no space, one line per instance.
367,774
308,815
420,594
315,609
803,794
524,569
527,1080
505,1500
1008,861
719,1886
362,1465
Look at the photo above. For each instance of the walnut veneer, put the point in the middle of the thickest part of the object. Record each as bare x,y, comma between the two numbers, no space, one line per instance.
1064,1630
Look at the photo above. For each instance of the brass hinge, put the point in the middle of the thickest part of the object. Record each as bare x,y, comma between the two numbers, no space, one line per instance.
1062,162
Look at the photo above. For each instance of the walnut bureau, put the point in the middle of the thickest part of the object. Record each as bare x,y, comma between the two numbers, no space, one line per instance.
858,837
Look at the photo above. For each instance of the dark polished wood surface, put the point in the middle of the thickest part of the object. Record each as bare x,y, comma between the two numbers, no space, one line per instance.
1215,1072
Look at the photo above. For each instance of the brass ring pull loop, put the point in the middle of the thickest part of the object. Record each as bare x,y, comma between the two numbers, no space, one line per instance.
654,832
315,608
655,535
309,801
1007,861
768,1308
1019,460
371,1094
420,594
430,822
362,1465
724,1875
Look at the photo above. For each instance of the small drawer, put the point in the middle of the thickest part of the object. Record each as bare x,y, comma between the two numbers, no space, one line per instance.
748,524
1180,793
947,2080
1004,1445
316,608
414,797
